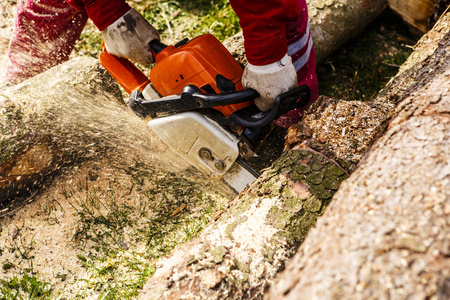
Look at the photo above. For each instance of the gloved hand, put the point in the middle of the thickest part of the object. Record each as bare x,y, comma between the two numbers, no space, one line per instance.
129,37
270,80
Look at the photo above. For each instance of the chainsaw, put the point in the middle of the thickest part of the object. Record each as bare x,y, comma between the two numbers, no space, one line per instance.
198,106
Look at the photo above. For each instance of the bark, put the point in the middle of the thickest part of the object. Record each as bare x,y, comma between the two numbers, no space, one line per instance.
420,15
386,233
238,255
332,23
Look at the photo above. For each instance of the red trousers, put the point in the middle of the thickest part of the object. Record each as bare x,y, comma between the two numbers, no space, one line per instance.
301,49
44,35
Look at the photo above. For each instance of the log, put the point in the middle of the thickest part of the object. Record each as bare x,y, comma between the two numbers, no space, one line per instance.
419,15
386,233
333,22
237,256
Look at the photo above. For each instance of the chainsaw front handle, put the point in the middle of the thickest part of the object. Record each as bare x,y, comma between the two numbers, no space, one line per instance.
192,98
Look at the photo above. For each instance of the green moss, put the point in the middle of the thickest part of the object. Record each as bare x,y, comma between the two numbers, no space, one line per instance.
283,236
315,177
241,266
270,252
321,192
218,254
278,218
302,169
332,182
336,170
300,226
231,227
312,204
291,203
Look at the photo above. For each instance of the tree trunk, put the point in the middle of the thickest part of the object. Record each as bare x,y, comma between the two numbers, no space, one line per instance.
420,15
386,233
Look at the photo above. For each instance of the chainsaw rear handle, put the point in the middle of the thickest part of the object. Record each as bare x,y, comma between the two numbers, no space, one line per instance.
292,99
192,98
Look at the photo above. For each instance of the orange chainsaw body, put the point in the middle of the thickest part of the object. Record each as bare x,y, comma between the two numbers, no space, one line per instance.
196,62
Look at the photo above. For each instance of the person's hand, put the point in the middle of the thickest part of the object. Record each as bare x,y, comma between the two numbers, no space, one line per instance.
270,80
129,37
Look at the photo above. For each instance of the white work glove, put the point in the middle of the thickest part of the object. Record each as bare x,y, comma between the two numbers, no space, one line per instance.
270,80
129,37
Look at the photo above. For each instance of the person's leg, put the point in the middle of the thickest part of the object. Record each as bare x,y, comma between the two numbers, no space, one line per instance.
301,49
45,32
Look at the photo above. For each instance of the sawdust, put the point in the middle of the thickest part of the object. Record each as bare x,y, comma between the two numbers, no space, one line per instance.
48,235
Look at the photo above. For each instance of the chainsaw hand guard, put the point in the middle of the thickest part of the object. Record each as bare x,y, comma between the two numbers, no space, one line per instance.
191,98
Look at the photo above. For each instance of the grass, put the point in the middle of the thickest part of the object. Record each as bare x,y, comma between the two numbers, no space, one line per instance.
364,65
26,285
119,242
174,20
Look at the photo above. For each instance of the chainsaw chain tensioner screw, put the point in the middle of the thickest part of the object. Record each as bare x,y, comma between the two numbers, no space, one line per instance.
206,154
